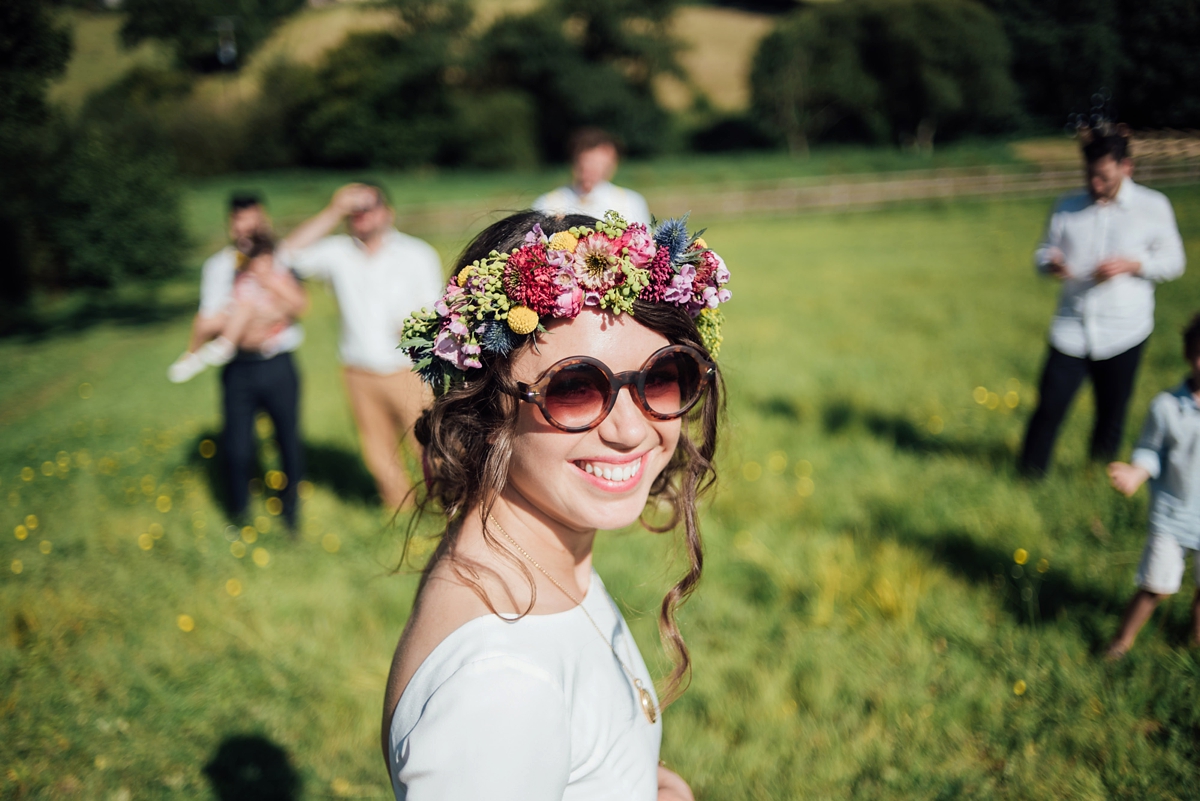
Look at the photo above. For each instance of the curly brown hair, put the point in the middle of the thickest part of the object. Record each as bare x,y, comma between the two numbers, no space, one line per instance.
467,440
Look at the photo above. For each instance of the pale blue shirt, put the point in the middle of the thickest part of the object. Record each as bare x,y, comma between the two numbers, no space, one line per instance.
1169,450
1099,320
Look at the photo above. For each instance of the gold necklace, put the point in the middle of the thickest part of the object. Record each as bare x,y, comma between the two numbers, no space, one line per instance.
647,701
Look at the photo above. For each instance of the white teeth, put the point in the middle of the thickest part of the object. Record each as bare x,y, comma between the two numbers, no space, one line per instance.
610,473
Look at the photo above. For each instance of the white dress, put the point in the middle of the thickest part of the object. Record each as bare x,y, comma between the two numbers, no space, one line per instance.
535,709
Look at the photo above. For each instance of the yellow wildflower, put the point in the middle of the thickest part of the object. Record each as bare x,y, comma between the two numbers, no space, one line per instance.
564,240
522,319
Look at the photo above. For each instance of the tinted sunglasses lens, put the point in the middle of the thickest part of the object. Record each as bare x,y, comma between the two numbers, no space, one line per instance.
577,395
673,383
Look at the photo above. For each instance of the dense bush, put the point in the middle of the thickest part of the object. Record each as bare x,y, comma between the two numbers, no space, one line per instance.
113,212
381,99
1160,76
33,50
81,204
884,70
1139,52
583,63
189,27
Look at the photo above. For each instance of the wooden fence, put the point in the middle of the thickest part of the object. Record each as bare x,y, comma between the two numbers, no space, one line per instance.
1161,161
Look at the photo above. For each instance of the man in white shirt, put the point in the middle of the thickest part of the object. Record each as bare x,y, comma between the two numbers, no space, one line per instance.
251,380
379,276
1109,245
593,164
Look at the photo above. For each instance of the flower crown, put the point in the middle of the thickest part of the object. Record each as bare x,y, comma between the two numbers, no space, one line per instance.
495,302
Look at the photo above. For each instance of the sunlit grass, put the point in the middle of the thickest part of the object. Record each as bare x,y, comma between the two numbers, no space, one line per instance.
887,611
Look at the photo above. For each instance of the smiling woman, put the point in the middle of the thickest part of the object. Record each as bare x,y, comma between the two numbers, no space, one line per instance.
572,364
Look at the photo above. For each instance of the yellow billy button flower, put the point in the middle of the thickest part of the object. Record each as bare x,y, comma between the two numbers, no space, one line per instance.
522,320
701,244
563,240
464,274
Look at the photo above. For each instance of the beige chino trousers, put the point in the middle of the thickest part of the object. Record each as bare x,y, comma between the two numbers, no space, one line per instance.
385,409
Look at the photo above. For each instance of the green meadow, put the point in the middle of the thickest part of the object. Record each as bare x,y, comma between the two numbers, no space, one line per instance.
888,610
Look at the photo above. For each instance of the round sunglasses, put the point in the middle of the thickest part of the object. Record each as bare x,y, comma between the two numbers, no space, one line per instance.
577,393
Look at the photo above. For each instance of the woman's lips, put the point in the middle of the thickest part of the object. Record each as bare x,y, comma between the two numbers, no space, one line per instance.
612,476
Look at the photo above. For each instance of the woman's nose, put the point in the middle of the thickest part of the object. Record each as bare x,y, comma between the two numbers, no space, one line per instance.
625,426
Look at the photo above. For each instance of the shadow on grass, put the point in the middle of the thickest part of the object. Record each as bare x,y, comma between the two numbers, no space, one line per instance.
1026,594
339,470
905,436
35,321
779,406
249,767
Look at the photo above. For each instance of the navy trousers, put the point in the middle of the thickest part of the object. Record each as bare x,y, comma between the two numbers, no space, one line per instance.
1112,384
252,383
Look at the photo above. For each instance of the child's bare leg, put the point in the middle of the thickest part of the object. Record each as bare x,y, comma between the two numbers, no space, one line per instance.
204,328
239,320
1139,611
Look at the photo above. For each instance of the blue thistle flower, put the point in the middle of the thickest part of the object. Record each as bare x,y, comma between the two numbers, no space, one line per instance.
497,338
673,235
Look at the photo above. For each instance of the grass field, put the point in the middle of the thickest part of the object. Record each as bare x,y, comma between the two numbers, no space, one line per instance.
887,611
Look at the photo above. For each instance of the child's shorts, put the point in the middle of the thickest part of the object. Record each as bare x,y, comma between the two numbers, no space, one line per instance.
1163,559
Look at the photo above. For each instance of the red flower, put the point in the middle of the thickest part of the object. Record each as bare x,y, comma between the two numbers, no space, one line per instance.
529,279
660,276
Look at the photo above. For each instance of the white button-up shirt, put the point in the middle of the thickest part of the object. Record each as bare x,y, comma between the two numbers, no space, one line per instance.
1099,320
1169,450
375,292
604,196
216,294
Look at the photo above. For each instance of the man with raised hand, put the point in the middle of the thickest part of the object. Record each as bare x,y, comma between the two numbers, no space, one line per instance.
379,276
593,163
1108,244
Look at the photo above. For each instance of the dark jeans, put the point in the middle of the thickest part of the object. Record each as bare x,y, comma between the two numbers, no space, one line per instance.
1112,384
252,383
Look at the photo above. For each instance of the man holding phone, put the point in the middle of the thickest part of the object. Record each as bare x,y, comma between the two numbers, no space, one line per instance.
1109,245
379,276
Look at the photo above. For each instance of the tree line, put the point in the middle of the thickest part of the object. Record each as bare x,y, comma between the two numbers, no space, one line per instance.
92,199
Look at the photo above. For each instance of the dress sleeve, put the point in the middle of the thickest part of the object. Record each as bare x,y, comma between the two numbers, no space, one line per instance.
1148,451
497,729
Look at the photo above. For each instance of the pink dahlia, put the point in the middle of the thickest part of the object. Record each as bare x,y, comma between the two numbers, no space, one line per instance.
639,244
596,265
569,303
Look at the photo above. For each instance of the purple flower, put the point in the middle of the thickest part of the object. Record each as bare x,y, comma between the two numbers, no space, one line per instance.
535,235
457,328
591,299
680,290
446,346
